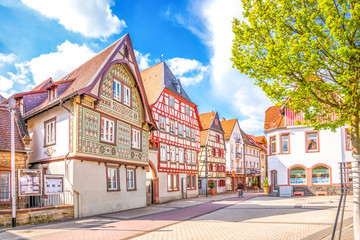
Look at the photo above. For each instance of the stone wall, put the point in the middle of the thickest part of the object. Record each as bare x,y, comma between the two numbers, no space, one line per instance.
37,215
311,191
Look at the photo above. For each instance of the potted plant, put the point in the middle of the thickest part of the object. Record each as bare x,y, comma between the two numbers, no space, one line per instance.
266,186
212,187
256,184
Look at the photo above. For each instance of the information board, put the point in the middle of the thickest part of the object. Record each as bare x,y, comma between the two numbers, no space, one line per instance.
29,182
53,184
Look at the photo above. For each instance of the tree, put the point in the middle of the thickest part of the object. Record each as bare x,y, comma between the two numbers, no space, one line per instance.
307,51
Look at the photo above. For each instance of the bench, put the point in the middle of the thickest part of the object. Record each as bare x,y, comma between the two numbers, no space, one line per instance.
298,194
320,193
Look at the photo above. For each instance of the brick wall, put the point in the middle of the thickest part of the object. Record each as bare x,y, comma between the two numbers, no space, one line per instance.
37,215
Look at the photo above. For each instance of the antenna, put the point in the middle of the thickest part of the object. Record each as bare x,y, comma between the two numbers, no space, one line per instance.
161,57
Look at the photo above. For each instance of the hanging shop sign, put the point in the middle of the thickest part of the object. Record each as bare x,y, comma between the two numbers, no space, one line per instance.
29,182
53,184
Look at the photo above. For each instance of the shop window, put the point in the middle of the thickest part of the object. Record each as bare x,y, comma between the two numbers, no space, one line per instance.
320,175
130,179
312,144
113,179
190,180
50,132
297,176
107,130
285,143
4,186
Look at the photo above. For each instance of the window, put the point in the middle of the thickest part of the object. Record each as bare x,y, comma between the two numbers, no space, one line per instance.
162,122
181,155
216,121
107,130
187,110
232,148
173,182
217,138
190,180
136,139
320,175
117,90
52,93
130,179
172,154
171,101
298,176
187,129
285,143
178,88
172,126
127,96
50,132
113,179
312,142
193,134
272,145
4,186
348,139
180,129
193,157
163,152
213,152
219,152
188,156
210,167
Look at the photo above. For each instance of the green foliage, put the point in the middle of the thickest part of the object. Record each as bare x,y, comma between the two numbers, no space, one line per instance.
306,50
211,184
256,182
266,182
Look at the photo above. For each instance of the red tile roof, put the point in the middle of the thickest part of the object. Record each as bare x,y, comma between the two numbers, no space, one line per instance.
273,118
206,119
228,126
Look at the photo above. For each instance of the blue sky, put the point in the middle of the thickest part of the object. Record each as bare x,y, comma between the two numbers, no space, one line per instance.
41,39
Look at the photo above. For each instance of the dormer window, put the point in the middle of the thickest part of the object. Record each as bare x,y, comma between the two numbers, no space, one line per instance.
178,88
52,93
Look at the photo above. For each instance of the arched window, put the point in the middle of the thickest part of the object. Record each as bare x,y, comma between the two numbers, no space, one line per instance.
320,175
297,176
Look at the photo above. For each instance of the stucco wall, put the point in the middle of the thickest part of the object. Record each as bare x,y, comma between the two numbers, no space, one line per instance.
36,131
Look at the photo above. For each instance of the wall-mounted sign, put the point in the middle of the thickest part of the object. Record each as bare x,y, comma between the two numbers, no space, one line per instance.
29,182
53,184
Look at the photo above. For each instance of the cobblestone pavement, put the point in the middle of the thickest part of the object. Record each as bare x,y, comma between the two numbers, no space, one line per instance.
218,217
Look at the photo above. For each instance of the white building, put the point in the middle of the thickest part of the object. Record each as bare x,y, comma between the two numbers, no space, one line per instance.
301,157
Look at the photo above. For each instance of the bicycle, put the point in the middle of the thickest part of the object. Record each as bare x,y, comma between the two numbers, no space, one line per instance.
240,193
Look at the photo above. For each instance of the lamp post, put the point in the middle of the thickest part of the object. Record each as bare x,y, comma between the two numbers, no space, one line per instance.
12,106
206,170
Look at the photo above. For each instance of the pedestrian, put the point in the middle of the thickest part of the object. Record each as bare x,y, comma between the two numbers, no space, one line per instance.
240,188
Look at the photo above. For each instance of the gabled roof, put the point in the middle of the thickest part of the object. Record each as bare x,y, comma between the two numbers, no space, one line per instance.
42,85
158,77
5,130
248,140
207,121
228,127
274,118
87,78
261,139
261,143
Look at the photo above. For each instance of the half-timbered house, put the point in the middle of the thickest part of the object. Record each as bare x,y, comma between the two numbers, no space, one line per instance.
92,127
173,167
212,156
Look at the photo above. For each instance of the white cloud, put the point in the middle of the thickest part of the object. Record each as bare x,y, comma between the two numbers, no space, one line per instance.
6,85
189,71
142,60
10,58
91,18
252,126
226,82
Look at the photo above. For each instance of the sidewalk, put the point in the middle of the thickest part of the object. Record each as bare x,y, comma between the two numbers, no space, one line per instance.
127,224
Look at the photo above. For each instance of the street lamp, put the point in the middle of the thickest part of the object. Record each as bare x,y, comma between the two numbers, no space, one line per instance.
206,171
12,106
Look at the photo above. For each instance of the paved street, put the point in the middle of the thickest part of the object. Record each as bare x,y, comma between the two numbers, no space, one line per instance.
218,217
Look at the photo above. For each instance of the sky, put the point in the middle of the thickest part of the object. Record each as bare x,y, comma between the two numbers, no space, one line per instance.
41,39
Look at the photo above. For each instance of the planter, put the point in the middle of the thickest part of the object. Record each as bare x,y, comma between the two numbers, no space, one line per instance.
212,191
256,187
266,190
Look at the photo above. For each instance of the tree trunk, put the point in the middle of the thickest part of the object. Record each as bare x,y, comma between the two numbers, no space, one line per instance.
355,147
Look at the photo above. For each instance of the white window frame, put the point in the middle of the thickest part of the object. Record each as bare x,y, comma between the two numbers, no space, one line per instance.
193,135
187,110
273,149
111,173
50,132
181,155
162,121
188,156
117,90
172,154
127,95
130,179
193,157
171,101
187,132
180,130
163,152
5,187
172,126
136,138
107,134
